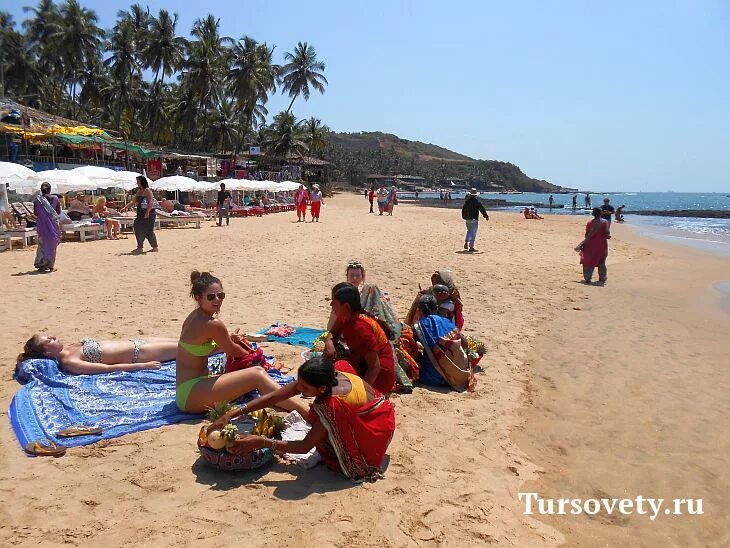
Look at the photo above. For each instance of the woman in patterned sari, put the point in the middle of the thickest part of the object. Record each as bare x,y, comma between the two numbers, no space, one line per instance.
443,277
377,304
352,423
47,209
444,361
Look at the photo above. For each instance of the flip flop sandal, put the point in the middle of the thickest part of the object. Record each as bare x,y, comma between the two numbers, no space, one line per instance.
79,430
44,448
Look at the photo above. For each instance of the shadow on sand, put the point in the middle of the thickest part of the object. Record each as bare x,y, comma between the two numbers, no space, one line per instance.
304,483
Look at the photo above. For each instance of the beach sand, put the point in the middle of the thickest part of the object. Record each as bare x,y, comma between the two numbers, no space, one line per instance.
457,461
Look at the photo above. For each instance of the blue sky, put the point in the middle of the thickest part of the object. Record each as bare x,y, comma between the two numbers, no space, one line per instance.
606,96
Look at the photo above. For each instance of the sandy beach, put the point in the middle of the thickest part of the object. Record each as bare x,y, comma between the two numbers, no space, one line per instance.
585,390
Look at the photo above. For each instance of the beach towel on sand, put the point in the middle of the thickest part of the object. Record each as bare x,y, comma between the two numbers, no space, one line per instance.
120,402
302,336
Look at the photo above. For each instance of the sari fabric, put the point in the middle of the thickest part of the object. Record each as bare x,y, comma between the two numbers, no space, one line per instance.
375,302
357,437
362,335
595,248
442,348
445,277
47,209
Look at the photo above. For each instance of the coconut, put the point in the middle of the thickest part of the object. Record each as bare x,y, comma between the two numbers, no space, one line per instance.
216,440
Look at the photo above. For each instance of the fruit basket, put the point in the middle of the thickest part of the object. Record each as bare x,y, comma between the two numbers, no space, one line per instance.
213,449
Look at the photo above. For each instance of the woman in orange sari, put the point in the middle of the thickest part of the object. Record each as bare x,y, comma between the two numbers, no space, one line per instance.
352,423
371,352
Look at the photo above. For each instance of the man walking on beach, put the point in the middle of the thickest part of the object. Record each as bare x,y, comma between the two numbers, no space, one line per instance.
371,197
607,210
470,213
224,205
588,200
551,200
575,202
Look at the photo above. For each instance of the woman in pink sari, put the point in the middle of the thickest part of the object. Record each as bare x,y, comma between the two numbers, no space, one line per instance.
352,423
47,209
594,248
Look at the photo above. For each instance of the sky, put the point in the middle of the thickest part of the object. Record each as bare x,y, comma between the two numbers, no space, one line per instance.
622,96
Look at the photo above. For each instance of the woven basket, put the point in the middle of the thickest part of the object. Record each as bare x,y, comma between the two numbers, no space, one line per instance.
223,460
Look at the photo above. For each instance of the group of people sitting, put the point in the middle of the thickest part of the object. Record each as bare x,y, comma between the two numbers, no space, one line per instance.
367,353
531,213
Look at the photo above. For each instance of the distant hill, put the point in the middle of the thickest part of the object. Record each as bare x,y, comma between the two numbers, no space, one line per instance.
357,155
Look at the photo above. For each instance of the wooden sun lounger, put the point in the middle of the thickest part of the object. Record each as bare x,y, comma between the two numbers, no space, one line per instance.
126,223
179,220
24,235
84,230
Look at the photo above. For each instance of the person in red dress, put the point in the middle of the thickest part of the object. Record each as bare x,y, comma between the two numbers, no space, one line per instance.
301,197
371,352
594,248
352,423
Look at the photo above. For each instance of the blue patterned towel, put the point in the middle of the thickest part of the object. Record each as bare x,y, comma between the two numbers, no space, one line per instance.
302,336
120,403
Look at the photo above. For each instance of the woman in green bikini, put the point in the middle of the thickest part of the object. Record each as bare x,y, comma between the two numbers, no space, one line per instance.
203,333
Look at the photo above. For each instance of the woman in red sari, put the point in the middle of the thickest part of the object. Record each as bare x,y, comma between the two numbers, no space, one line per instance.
371,352
352,423
594,249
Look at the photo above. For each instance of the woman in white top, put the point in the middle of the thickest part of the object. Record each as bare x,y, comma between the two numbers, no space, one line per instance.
317,201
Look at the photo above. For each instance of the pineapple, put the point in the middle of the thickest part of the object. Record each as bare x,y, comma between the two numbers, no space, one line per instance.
218,409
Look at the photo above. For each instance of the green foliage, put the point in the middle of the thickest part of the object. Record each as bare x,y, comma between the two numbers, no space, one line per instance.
208,93
356,155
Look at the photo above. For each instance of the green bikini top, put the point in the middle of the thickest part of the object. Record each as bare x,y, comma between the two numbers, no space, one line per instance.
200,350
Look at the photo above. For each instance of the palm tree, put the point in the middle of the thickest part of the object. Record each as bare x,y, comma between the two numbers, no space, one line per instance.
207,60
223,127
76,39
251,77
37,31
285,136
316,135
164,51
302,71
122,64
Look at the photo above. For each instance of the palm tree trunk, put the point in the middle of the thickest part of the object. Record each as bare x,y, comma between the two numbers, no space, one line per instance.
290,104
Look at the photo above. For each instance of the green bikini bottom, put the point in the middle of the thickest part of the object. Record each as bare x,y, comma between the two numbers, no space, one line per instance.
183,391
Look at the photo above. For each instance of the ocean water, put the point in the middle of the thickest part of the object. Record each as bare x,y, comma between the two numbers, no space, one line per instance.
711,235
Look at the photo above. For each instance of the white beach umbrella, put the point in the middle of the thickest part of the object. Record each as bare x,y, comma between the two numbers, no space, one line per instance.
128,179
65,180
236,184
18,176
103,177
173,183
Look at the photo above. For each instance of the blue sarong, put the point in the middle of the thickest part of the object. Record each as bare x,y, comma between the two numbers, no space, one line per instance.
120,403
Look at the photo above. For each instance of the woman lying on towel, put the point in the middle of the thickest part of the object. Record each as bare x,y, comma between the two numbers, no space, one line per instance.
367,338
444,361
203,333
377,304
90,356
352,423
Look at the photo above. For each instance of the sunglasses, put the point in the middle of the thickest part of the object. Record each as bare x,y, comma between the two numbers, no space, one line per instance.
212,296
354,265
